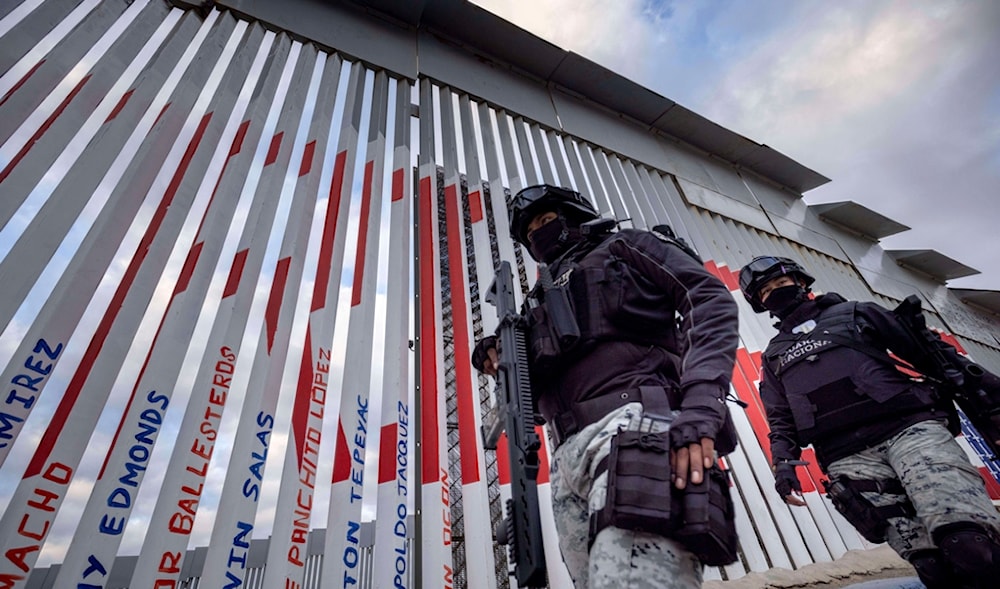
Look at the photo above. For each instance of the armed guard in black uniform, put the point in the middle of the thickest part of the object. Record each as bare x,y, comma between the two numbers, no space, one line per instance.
886,440
632,345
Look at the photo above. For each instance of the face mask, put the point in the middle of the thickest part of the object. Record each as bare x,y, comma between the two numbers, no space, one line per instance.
782,301
549,241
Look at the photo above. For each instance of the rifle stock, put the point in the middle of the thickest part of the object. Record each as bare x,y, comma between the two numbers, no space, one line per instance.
521,529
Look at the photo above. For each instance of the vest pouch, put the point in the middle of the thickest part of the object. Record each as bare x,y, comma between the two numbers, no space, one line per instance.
639,485
804,374
562,319
878,381
591,294
543,345
706,522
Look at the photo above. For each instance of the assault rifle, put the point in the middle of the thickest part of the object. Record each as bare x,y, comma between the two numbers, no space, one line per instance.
961,384
522,528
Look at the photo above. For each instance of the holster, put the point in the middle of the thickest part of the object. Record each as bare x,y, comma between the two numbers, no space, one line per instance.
641,497
638,496
868,519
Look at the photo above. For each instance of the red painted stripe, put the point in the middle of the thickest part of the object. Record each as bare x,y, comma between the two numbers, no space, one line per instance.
21,82
387,453
272,151
476,206
543,458
274,300
712,269
754,411
162,111
172,188
241,135
359,254
307,157
189,265
233,150
61,415
749,373
235,273
329,231
118,107
746,372
303,395
722,272
430,461
728,277
503,460
397,184
342,456
992,487
467,432
41,130
810,477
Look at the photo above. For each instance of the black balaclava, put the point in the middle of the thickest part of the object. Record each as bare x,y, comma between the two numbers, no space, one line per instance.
552,239
783,300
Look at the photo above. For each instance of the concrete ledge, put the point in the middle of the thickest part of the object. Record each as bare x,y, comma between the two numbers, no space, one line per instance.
856,566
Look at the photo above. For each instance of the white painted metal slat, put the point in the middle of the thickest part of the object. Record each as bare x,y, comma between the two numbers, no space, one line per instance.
28,34
289,535
119,195
395,478
434,535
248,156
172,520
242,492
472,472
54,462
116,490
355,415
68,80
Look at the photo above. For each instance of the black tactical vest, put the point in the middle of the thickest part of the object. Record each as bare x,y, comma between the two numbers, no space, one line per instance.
609,301
832,386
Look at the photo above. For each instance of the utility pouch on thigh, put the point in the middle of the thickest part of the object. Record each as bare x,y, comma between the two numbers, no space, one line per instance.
869,520
706,521
638,496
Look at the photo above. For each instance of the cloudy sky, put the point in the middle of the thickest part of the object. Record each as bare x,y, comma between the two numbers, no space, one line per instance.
897,102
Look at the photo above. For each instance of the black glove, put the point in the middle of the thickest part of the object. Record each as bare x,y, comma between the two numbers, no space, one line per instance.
479,353
785,479
693,424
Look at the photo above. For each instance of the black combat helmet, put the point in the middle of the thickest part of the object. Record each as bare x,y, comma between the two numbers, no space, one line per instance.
764,268
537,199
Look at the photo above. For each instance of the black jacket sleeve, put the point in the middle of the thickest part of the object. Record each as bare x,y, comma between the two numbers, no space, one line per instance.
784,439
709,330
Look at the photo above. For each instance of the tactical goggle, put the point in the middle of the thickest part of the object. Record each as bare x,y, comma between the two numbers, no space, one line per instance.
759,266
531,194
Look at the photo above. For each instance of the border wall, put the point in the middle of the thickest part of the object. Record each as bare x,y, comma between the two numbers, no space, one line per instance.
244,247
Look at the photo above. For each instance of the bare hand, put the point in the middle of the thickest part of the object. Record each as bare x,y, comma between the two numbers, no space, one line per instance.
690,464
491,363
795,498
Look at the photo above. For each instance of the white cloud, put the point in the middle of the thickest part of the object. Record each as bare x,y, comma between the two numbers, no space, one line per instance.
897,102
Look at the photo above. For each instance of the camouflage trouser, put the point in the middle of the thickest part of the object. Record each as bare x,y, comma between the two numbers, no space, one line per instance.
618,558
940,482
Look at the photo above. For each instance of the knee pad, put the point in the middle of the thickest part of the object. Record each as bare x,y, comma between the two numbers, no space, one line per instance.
932,568
969,549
